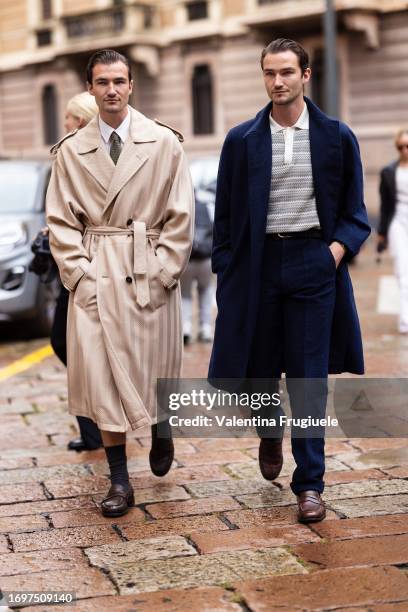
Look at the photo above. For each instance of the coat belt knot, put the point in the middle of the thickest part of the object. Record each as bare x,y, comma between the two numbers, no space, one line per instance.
140,237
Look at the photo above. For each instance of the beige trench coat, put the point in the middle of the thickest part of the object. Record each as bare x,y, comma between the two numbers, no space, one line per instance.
121,236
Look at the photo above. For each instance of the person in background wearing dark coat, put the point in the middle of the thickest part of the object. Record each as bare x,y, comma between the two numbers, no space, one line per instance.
289,215
79,111
199,270
393,225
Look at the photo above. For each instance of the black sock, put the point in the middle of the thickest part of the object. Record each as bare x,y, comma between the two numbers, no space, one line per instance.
116,456
161,429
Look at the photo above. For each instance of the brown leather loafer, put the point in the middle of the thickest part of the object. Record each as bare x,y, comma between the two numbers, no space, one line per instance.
311,507
161,456
270,458
118,501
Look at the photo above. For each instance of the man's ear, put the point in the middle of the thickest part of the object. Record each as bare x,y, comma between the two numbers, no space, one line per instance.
131,86
307,75
89,88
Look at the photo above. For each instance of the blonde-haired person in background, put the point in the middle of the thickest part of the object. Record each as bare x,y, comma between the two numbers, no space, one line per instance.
78,113
393,225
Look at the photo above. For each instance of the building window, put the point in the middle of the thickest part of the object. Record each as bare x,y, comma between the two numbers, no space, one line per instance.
197,10
148,17
49,111
203,107
46,9
43,38
318,81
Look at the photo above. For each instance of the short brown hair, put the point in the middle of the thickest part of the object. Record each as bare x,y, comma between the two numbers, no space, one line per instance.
286,44
106,56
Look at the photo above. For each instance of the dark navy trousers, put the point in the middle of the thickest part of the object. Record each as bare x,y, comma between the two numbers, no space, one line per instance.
292,335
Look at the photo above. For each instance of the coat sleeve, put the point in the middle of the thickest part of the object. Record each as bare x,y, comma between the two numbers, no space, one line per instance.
221,251
352,227
66,229
176,237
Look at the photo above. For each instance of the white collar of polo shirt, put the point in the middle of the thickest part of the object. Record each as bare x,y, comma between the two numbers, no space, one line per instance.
301,124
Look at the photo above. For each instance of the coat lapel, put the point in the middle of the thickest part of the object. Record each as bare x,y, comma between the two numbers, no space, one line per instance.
93,155
259,148
133,156
325,151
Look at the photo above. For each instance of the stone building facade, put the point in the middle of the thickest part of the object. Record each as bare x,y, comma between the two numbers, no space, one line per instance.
196,65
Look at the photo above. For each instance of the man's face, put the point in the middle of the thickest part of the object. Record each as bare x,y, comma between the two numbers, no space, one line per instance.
283,77
111,87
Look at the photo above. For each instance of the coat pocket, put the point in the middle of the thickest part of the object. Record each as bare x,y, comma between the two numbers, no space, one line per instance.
85,291
159,295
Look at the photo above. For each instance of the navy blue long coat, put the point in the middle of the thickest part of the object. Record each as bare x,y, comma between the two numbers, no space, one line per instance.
243,186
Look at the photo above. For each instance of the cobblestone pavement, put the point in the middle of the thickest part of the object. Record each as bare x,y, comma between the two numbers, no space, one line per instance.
212,534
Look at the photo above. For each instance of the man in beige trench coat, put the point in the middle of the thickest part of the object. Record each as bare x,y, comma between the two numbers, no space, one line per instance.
120,214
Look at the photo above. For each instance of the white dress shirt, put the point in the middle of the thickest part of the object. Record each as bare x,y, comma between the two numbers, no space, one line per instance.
106,131
301,124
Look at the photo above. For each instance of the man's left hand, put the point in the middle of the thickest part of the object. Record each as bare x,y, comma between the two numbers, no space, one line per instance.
338,251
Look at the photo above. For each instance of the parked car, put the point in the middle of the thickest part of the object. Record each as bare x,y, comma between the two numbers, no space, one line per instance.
22,215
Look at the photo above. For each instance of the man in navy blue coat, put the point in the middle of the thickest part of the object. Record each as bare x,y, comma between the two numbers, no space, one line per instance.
289,215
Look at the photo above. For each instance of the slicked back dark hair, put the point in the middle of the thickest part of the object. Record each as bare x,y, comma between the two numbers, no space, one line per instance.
106,56
286,44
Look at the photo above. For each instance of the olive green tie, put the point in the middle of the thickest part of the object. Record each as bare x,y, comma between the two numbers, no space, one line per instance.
116,147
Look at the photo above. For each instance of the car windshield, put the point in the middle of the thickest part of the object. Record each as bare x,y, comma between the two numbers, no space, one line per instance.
19,181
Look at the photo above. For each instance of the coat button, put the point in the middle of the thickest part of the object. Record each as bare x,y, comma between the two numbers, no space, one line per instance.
128,279
129,222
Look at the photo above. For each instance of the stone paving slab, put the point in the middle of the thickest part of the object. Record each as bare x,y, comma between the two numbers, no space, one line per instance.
362,527
222,457
384,457
11,524
60,472
163,547
366,489
251,470
371,506
12,493
179,476
12,463
269,497
85,582
327,589
369,444
384,550
283,515
41,561
230,487
73,518
3,545
57,538
161,492
192,506
215,569
53,505
198,599
25,441
184,525
85,485
252,537
16,407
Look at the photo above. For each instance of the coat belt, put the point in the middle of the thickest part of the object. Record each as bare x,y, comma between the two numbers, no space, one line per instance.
140,237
